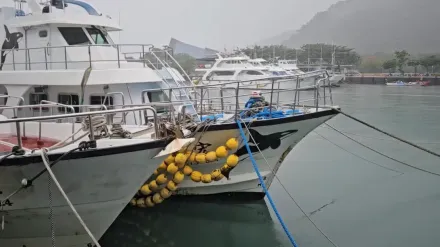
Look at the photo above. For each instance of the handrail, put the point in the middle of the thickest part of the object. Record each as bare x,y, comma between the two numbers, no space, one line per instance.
26,59
17,121
123,102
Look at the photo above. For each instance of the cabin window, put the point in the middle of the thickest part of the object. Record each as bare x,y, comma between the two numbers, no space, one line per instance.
68,99
223,73
74,35
99,100
253,72
97,36
42,33
36,98
158,96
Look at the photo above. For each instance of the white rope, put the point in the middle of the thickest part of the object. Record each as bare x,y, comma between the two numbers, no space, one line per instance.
49,170
97,122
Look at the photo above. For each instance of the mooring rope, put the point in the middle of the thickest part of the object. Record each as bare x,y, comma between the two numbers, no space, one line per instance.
257,171
49,170
382,154
288,193
388,134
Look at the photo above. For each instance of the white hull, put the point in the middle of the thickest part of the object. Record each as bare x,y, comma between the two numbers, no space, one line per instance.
99,186
243,178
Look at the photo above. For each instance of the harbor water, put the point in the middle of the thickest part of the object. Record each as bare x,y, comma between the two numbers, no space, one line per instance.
354,195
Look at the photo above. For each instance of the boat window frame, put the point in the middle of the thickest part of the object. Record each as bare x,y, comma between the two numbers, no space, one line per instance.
89,41
102,34
109,99
159,109
31,102
63,109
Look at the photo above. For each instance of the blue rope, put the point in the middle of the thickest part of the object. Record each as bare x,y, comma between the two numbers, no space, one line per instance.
272,204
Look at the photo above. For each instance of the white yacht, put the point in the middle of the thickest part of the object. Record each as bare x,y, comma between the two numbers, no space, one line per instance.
272,68
231,68
53,58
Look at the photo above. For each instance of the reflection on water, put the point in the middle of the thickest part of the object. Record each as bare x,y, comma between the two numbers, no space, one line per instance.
193,223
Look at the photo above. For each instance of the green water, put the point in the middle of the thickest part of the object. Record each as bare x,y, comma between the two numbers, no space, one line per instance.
367,201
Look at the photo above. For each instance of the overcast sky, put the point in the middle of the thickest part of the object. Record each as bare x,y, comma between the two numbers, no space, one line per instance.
208,23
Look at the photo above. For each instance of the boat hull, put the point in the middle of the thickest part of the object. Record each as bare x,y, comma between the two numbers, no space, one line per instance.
98,185
276,138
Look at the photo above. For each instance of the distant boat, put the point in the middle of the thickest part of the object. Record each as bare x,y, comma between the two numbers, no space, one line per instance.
401,83
424,83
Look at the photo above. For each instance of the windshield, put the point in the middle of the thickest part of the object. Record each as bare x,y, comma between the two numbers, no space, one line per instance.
97,36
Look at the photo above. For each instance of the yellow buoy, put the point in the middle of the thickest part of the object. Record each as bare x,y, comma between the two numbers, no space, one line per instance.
232,160
172,168
219,177
206,178
155,172
192,157
187,170
211,156
149,202
165,193
221,152
178,177
169,160
161,179
232,144
215,174
162,167
153,185
145,190
171,186
180,160
133,202
201,158
196,176
225,167
157,198
140,202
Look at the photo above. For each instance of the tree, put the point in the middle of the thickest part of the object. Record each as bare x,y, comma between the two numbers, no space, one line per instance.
401,58
429,61
414,63
389,65
307,52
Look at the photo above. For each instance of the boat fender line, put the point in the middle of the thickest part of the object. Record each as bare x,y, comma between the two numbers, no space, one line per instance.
172,171
263,185
386,133
52,175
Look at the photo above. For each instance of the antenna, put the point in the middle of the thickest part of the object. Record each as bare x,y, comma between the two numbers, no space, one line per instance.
119,22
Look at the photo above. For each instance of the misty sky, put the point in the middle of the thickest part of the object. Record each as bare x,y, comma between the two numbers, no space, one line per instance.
216,24
208,23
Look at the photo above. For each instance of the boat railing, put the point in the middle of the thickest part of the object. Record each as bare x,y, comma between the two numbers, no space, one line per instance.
230,95
78,56
20,121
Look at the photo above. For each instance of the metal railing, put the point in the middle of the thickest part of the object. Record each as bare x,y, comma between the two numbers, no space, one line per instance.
89,114
207,104
63,57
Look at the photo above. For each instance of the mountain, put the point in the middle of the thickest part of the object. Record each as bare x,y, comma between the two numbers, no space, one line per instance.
375,26
278,39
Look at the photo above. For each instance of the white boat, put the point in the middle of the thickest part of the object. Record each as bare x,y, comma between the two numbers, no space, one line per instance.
53,58
402,83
